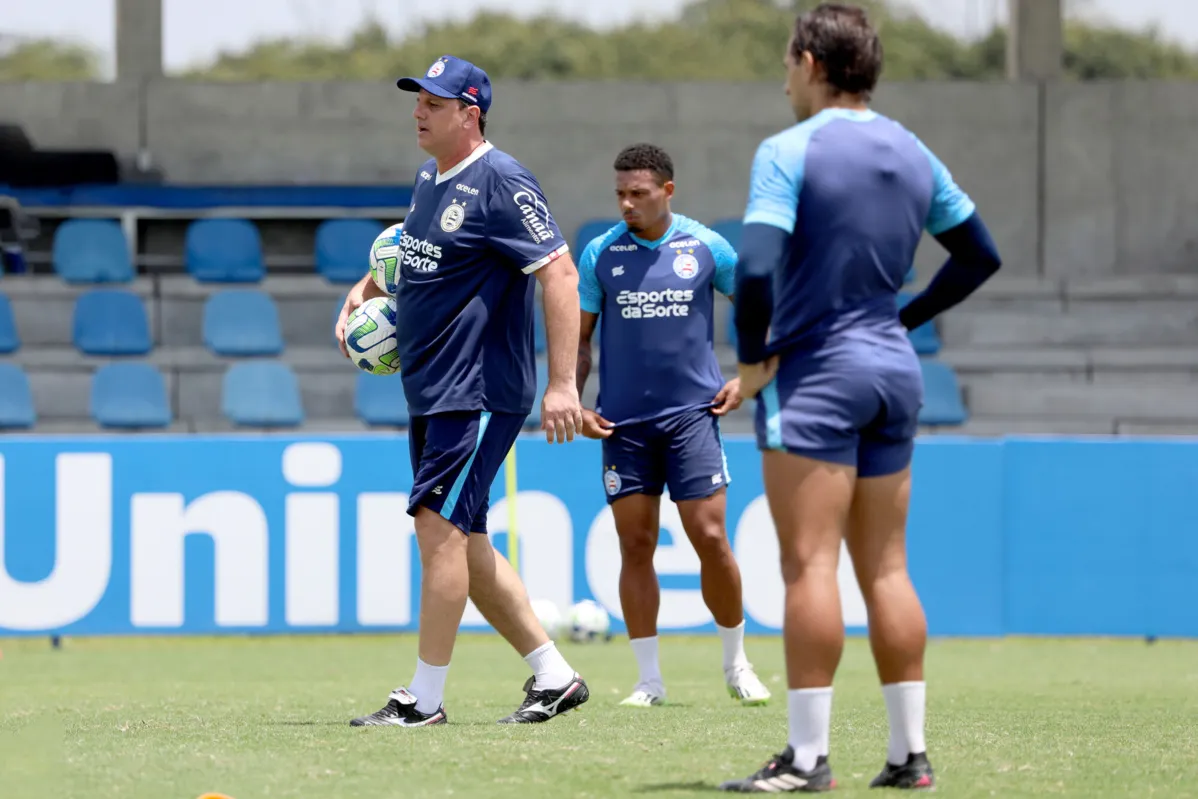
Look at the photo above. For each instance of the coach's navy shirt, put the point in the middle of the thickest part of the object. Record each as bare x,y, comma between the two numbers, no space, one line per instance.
855,191
470,243
655,300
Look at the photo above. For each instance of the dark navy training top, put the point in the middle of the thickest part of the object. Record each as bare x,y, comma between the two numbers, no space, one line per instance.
470,243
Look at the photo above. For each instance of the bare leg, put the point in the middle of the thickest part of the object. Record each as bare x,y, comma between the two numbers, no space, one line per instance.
719,574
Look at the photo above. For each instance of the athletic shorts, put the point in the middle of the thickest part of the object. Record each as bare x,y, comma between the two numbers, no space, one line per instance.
857,409
683,451
455,459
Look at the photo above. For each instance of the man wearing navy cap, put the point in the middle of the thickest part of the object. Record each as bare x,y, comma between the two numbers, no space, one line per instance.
479,228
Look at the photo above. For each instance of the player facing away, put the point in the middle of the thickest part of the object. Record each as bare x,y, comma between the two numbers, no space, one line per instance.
652,279
837,205
478,230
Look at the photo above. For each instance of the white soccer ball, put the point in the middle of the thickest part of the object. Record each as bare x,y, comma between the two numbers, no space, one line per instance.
370,336
589,622
384,259
550,616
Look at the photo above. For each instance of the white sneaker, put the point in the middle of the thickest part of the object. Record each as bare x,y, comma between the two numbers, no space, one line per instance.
645,696
743,684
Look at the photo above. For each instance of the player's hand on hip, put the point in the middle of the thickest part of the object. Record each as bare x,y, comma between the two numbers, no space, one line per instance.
362,291
561,413
595,426
728,399
755,376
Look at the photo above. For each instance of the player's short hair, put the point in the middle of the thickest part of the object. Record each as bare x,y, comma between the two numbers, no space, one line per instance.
649,157
841,38
482,116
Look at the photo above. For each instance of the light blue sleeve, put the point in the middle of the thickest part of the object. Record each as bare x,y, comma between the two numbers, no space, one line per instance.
589,291
725,263
776,181
950,205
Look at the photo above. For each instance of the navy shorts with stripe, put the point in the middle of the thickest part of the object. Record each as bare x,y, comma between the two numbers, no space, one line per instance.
683,452
856,408
455,459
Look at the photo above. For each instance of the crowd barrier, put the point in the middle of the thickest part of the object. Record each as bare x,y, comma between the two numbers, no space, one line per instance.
266,534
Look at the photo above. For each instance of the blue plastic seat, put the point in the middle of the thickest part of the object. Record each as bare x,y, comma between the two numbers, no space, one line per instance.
223,251
379,400
591,229
16,399
343,248
942,404
130,395
10,340
262,394
730,229
241,322
924,338
534,418
111,322
92,251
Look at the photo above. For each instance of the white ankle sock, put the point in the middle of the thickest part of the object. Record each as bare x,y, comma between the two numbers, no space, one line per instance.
733,639
810,723
549,667
428,686
645,650
905,704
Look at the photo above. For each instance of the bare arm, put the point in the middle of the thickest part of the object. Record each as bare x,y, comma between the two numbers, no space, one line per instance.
585,333
561,411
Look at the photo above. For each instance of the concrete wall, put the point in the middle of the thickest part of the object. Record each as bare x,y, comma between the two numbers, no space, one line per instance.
1072,178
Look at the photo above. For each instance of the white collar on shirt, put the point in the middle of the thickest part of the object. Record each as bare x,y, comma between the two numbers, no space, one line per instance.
478,153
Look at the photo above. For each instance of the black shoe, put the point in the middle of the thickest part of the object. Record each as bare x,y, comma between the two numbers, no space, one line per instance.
543,705
914,775
779,775
400,711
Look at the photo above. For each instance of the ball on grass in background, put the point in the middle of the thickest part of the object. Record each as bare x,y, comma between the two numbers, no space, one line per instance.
384,259
370,336
550,616
589,622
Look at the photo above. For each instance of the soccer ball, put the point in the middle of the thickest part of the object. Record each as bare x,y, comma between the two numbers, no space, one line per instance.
384,259
370,336
550,616
589,622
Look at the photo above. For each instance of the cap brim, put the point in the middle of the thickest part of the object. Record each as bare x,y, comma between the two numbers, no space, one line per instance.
416,84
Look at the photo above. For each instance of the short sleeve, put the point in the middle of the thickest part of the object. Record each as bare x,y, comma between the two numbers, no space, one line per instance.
774,187
950,205
520,225
589,291
725,264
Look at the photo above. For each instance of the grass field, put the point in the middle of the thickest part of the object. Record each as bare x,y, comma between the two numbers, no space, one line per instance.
267,717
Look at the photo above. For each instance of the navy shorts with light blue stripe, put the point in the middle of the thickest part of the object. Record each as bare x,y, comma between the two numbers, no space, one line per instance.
853,408
455,459
683,452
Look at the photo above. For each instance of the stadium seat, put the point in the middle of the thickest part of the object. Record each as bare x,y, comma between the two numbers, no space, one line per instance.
16,399
924,338
592,228
223,251
730,230
534,418
10,340
261,394
379,400
92,251
942,403
343,248
111,322
241,322
129,395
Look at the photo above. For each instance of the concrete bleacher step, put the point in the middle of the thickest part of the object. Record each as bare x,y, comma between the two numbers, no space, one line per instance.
995,426
1066,398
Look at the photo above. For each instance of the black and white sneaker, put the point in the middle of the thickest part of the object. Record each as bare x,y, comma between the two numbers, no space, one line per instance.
541,706
779,775
914,775
400,711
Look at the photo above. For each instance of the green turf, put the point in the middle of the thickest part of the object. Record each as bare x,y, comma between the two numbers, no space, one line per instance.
266,717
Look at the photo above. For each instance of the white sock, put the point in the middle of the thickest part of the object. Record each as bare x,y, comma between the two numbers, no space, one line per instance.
905,703
733,639
810,723
645,650
428,686
549,667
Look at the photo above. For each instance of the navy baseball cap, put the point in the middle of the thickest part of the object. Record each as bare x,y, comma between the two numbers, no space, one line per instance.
453,78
